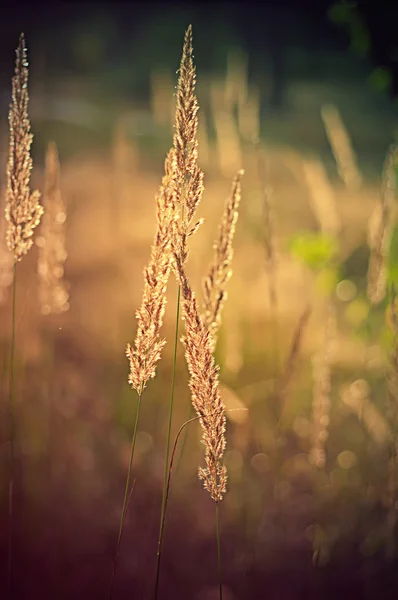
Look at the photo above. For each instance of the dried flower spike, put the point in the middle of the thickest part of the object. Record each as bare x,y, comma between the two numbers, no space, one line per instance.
189,177
22,211
53,295
220,272
204,384
148,345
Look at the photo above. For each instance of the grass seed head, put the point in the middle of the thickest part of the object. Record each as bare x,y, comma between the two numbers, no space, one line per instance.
23,210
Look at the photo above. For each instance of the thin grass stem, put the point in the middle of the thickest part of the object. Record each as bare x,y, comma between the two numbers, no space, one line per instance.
126,497
49,349
166,468
12,434
171,404
218,548
166,498
184,441
172,458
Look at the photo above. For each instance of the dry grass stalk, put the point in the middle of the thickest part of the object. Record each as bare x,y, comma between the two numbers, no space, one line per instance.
204,384
189,177
342,149
148,345
380,229
321,394
22,211
53,295
322,196
214,286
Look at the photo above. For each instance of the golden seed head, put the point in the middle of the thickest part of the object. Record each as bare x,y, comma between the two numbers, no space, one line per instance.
146,351
220,272
22,211
188,189
204,386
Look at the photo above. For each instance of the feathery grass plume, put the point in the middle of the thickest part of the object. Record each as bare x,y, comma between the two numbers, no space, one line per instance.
22,211
380,230
206,397
189,177
148,345
341,146
214,286
204,374
321,394
188,189
204,386
53,295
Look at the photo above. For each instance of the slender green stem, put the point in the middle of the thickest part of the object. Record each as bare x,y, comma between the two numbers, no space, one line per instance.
166,497
184,441
218,549
171,404
50,365
126,497
12,433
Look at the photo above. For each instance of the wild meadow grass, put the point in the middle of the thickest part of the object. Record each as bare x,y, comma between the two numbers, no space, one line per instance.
280,401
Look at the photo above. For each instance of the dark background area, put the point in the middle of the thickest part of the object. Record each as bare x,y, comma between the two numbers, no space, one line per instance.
98,37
